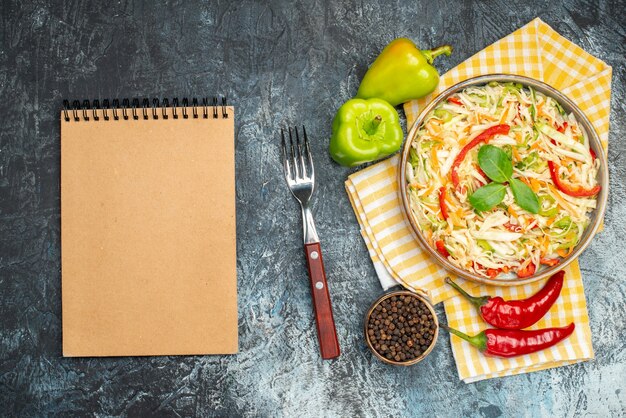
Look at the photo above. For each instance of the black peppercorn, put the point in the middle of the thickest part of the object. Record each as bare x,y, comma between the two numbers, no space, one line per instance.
401,328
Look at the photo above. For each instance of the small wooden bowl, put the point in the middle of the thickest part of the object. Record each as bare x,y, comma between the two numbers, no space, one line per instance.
413,295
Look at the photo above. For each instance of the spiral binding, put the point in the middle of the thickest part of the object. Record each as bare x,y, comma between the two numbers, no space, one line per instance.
136,109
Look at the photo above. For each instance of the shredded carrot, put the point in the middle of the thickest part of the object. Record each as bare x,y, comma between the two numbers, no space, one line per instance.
516,156
534,184
564,203
545,243
505,113
456,221
563,253
433,127
428,190
434,161
537,146
484,117
512,212
550,221
525,180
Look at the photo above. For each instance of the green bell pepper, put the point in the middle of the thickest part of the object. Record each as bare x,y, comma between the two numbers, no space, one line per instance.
402,72
484,244
532,161
547,205
364,131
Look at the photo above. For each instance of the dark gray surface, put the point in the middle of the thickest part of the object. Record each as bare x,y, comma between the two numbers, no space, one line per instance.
279,62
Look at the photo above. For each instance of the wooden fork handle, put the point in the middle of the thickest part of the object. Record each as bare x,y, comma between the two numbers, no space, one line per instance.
326,332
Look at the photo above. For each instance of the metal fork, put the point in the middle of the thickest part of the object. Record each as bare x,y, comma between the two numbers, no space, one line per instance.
300,176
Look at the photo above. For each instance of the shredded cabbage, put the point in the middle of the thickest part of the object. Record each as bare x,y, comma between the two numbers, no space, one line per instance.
506,238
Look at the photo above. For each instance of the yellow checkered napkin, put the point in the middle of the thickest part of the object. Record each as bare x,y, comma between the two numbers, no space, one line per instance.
536,51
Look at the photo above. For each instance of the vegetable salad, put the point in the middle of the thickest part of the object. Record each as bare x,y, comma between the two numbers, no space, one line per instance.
474,209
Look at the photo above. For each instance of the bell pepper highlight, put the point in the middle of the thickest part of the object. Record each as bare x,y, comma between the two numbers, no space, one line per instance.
576,191
402,72
364,131
485,136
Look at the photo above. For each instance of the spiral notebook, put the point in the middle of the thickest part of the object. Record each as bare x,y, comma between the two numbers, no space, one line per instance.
148,228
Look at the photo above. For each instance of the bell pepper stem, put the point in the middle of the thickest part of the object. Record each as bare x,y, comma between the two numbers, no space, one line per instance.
479,340
477,301
431,54
372,126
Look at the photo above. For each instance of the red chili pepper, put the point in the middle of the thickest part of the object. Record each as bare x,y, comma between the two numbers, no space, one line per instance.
576,191
442,248
511,343
563,127
455,100
513,228
516,314
442,203
593,153
549,261
527,271
485,136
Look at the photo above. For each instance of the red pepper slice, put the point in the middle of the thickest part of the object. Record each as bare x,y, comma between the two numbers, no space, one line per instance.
442,203
527,271
513,228
563,127
492,273
576,191
593,153
482,173
455,100
549,261
442,248
485,136
510,343
516,314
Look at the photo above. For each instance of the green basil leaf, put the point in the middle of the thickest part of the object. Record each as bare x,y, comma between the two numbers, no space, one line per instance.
495,163
487,196
524,196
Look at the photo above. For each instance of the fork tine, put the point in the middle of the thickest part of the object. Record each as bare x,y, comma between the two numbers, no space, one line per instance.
307,148
283,147
302,165
293,156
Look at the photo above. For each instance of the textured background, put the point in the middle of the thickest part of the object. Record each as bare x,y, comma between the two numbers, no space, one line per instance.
279,62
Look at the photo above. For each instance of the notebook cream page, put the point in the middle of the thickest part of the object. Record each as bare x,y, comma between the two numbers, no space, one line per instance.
148,235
